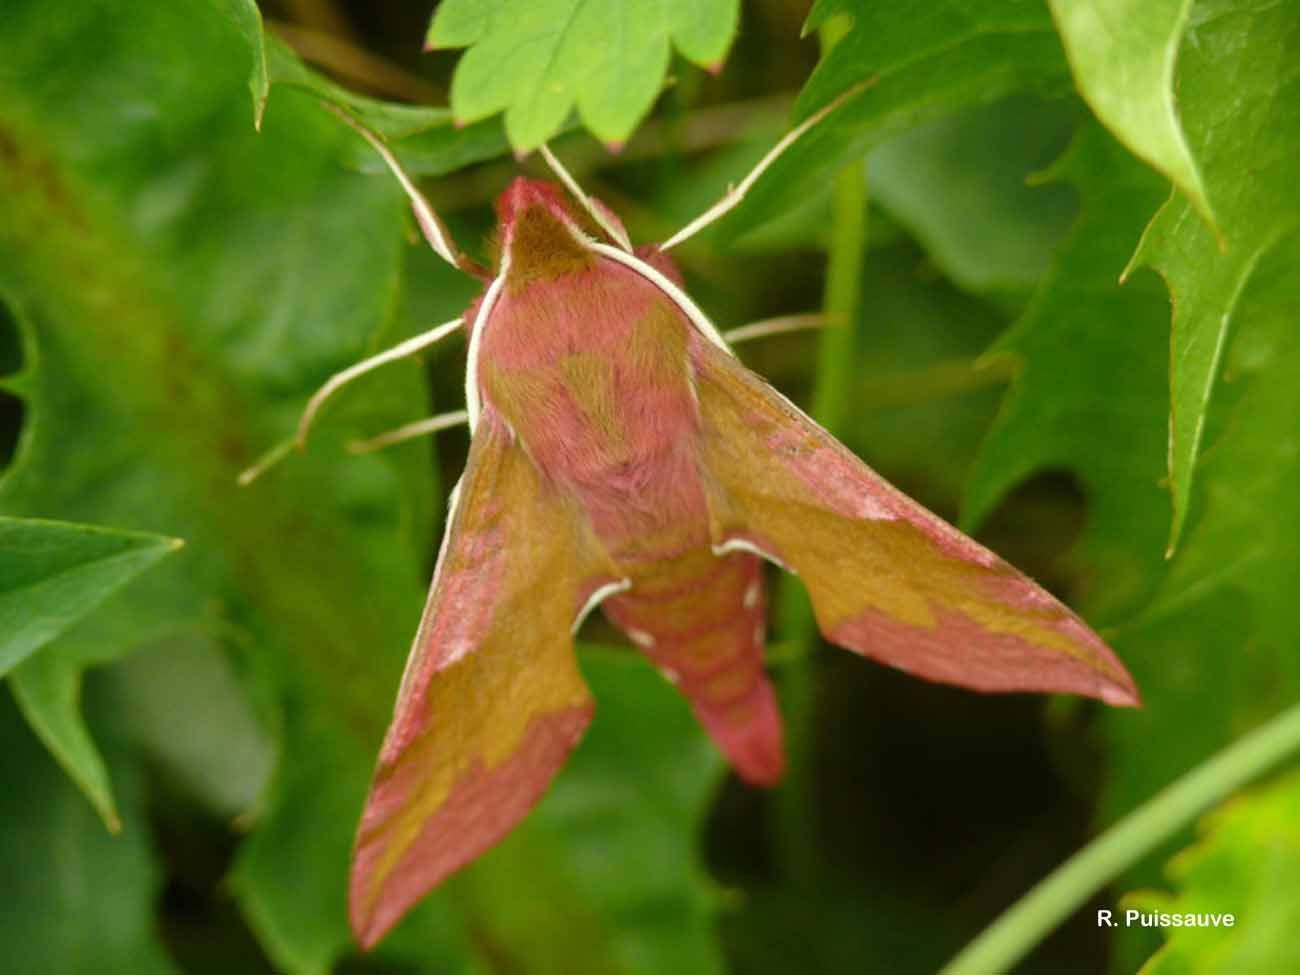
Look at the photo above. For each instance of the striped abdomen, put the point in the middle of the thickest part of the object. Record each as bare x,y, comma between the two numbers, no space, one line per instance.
702,619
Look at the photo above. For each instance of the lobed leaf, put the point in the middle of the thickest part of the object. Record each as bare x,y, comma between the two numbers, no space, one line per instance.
539,59
1215,644
1123,53
919,64
53,573
1245,144
1244,865
1090,394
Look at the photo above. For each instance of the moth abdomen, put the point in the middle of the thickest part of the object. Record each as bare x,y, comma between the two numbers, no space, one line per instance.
701,618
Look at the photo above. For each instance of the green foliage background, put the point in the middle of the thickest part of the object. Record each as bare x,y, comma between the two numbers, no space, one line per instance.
1068,239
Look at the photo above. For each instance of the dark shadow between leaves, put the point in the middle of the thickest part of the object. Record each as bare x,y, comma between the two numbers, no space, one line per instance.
12,409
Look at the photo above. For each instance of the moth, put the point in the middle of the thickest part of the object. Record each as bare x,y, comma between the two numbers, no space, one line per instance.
622,457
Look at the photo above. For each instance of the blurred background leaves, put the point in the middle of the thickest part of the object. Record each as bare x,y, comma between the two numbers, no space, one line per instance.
174,283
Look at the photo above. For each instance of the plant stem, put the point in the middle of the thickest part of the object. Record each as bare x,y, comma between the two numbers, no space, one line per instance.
831,399
1029,920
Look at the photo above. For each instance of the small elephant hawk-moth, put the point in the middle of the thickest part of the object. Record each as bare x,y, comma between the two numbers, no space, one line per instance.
622,457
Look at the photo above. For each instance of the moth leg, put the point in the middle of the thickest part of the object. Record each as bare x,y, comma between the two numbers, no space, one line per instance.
611,227
333,385
731,199
409,431
433,229
778,326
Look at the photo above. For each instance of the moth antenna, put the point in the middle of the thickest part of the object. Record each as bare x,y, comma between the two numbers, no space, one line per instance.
264,463
341,379
616,233
731,199
409,431
333,385
432,227
779,326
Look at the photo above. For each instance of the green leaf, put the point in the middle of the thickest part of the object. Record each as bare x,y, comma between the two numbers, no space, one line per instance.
1244,865
1090,396
915,376
537,60
1122,53
919,64
187,283
1068,887
77,901
220,755
48,691
1215,648
144,215
247,19
1246,146
958,184
53,573
426,139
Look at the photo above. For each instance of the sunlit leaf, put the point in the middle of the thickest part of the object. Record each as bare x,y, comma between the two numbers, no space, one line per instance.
1245,866
1216,648
247,18
1239,97
536,61
1123,54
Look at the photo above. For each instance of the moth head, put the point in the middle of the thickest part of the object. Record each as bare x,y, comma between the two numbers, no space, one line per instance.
542,229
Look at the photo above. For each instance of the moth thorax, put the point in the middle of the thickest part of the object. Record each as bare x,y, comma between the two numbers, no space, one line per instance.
538,231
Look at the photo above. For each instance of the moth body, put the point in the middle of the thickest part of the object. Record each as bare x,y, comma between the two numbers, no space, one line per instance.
591,366
621,456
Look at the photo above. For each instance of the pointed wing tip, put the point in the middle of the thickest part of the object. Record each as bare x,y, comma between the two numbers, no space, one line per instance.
1120,693
371,918
766,776
365,927
363,917
493,798
367,933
